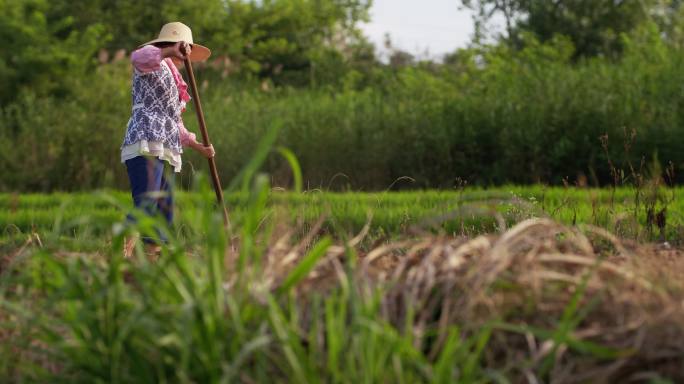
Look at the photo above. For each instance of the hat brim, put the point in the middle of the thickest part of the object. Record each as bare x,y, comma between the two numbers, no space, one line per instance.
199,52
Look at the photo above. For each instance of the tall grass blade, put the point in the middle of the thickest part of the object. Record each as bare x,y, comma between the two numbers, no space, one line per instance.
306,265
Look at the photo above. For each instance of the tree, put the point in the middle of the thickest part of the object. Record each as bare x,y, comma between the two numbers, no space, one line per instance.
593,26
486,10
39,53
45,42
274,37
265,37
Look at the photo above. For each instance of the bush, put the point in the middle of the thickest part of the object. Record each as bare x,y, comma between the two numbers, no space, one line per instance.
489,117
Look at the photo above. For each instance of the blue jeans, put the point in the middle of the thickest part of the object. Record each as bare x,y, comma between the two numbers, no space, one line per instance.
146,176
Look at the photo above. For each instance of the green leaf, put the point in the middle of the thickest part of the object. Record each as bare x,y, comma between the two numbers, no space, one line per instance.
258,158
294,165
306,265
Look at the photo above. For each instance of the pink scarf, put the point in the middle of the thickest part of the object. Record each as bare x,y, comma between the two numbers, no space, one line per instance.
180,83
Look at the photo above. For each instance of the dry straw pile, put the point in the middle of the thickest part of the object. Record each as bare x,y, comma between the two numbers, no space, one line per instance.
582,303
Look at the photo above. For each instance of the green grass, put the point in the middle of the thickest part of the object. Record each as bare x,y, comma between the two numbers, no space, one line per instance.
468,211
240,307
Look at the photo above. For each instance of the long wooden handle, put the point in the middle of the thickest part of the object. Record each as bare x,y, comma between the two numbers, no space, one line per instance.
206,142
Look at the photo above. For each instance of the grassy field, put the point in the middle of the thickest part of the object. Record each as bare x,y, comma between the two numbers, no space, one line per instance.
469,286
624,211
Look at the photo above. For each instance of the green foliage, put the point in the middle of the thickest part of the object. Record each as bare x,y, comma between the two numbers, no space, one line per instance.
49,42
491,116
53,143
594,27
265,38
40,53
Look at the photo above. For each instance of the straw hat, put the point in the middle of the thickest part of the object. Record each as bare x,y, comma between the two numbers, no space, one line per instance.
175,32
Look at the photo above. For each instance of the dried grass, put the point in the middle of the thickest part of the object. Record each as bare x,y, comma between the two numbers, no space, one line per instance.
525,278
522,283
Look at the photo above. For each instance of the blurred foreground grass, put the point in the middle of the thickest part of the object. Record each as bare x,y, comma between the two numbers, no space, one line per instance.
310,303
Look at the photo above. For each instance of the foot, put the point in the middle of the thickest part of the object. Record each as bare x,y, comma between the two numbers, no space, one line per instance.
129,246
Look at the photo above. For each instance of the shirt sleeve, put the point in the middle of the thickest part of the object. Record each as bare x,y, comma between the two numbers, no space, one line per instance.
186,137
147,58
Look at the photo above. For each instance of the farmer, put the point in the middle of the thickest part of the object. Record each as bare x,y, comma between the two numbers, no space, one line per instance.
155,132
